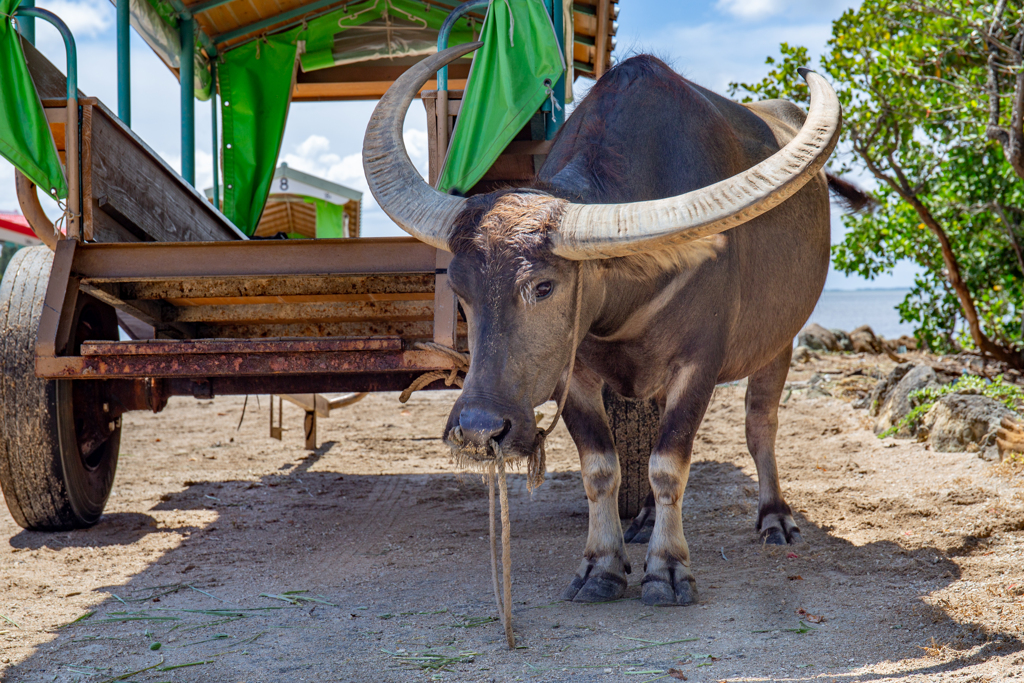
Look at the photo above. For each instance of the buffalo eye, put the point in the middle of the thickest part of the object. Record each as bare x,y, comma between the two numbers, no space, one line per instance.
543,289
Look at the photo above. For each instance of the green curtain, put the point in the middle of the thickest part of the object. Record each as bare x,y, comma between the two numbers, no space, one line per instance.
330,218
255,86
25,138
321,31
506,86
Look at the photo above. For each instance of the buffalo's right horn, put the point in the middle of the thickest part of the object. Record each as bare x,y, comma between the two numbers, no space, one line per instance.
398,187
595,231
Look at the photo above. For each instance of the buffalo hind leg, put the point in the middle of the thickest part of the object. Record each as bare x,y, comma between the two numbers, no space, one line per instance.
643,524
602,574
667,576
775,523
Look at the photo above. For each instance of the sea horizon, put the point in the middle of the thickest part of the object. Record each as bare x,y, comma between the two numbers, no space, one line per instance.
847,309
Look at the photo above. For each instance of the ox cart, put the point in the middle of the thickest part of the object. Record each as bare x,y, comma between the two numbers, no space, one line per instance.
138,244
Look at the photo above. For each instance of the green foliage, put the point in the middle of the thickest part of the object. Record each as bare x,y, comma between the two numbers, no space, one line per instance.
912,82
998,389
7,250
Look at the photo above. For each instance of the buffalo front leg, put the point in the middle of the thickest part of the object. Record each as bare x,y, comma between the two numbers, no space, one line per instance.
602,574
775,523
668,579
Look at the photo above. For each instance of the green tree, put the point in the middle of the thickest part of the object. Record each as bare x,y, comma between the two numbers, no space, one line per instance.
933,100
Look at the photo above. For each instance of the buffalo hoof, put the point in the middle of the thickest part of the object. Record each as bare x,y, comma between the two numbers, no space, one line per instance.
677,589
598,580
642,527
600,587
778,528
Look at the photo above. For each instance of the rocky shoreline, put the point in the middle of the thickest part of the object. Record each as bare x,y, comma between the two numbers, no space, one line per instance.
961,403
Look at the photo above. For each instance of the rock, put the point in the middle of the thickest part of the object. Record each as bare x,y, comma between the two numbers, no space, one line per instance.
882,390
864,340
965,422
843,340
897,403
905,342
817,338
802,354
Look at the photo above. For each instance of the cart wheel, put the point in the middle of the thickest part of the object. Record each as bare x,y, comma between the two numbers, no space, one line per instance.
58,447
634,426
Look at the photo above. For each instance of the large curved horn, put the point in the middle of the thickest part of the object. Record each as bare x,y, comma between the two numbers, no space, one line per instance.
593,231
415,206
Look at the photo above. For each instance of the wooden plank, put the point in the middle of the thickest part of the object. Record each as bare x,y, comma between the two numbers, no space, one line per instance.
356,311
241,364
49,81
253,289
59,305
601,40
446,312
143,193
420,329
154,347
301,299
273,258
363,90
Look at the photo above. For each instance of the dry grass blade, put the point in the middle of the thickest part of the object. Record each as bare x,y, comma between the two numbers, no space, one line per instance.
651,643
434,661
182,666
79,619
132,673
473,622
295,598
9,620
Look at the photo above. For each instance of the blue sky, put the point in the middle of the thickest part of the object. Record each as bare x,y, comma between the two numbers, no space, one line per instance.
711,42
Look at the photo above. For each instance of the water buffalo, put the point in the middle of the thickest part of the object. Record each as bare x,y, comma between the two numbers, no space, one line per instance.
673,240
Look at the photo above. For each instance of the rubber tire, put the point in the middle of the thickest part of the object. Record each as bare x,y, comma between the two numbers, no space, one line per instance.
634,424
46,484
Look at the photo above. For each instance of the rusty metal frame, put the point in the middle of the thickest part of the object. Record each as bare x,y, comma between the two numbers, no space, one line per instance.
97,269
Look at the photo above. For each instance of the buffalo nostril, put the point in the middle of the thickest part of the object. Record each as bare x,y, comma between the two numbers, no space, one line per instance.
480,426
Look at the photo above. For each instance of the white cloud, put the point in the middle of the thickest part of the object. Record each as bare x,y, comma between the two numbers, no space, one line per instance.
750,9
794,11
85,18
416,143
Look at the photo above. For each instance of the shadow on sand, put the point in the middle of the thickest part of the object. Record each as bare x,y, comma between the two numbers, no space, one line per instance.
320,575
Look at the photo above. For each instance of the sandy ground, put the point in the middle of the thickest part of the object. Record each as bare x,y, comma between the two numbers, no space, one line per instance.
228,556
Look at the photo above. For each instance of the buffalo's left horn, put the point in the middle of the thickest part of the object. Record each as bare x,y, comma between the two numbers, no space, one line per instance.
398,187
593,231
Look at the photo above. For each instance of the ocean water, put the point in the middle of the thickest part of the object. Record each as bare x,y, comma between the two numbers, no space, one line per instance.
847,310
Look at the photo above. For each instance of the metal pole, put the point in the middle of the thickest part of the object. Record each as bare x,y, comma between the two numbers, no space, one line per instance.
445,32
215,147
27,25
188,115
557,117
71,127
124,70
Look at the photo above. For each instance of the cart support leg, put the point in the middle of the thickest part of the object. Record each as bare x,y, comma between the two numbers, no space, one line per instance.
310,426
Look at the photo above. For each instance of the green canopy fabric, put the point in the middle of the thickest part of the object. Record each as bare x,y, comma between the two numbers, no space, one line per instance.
512,74
256,81
25,138
321,32
330,218
256,85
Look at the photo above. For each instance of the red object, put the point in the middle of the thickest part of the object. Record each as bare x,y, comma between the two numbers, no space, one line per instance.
14,228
